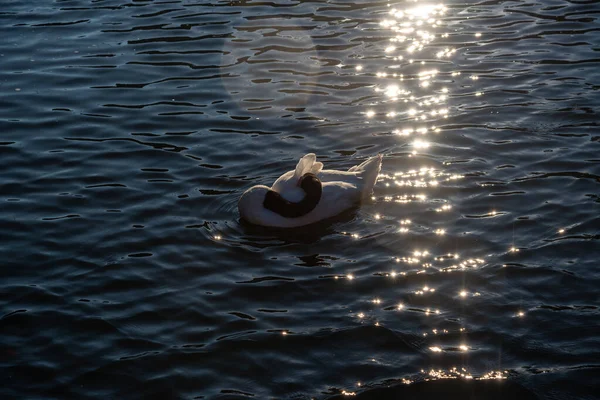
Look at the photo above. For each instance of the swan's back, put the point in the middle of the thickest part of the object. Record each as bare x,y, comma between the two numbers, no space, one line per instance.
363,176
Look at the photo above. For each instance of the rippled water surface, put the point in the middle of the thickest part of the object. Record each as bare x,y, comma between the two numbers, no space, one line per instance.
130,129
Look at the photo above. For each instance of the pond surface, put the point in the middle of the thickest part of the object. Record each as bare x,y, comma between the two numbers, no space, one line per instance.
130,129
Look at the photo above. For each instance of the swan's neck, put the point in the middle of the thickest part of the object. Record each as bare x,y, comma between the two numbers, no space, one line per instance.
313,190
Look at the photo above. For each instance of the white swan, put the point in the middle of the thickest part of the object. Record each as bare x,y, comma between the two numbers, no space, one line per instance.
309,194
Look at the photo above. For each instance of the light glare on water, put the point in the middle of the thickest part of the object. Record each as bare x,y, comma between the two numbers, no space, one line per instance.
130,131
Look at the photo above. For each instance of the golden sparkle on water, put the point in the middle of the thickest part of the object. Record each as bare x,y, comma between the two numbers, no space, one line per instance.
423,177
462,373
414,102
445,207
413,29
425,289
424,262
421,144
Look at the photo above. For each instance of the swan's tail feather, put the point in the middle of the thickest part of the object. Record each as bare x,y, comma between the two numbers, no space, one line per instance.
368,171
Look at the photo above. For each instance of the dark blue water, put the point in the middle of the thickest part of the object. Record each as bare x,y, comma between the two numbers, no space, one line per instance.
130,129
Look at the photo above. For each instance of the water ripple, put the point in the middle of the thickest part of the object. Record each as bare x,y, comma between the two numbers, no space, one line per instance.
130,129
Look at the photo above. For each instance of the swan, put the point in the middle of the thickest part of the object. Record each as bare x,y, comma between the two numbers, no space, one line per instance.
309,194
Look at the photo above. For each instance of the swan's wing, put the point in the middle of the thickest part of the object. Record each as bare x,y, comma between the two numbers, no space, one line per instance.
305,165
363,176
337,197
287,184
316,168
284,181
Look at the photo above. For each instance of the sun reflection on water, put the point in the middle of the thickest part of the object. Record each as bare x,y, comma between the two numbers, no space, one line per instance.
421,175
456,373
410,25
420,261
413,30
413,101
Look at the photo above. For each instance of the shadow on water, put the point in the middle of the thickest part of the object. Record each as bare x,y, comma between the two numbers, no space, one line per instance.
256,236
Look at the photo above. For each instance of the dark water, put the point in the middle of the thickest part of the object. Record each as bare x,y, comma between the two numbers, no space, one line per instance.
130,129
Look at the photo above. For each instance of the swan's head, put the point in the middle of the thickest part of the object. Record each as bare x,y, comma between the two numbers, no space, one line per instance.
250,204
